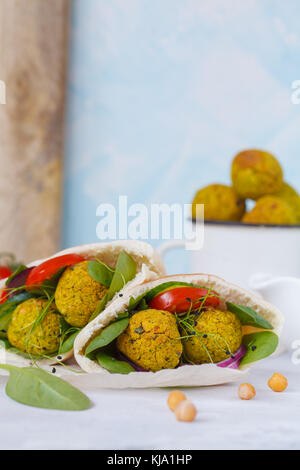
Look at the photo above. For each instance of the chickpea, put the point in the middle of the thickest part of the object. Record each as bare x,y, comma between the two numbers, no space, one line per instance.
175,397
185,411
278,382
246,391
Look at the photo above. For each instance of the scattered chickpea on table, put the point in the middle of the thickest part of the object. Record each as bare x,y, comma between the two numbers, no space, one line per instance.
184,409
246,391
278,382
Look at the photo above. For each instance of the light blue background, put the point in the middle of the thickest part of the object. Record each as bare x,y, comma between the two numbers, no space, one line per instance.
162,94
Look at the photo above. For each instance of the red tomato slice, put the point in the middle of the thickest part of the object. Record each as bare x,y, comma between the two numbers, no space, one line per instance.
179,299
3,296
47,269
5,272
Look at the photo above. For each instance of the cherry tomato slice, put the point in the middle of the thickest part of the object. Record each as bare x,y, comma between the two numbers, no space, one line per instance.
5,272
50,267
179,299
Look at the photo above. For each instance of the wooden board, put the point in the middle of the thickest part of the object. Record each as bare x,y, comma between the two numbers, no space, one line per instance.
33,58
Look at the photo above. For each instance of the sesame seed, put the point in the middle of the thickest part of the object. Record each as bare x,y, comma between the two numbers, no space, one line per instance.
59,357
53,370
253,348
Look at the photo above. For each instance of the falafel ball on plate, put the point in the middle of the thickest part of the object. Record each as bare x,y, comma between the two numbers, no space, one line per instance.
288,194
152,340
256,173
221,203
217,334
44,338
78,294
271,210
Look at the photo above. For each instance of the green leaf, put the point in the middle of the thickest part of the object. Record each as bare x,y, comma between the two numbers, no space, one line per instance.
259,345
100,307
4,343
248,316
100,272
10,304
112,364
107,335
35,387
4,322
125,272
122,315
68,343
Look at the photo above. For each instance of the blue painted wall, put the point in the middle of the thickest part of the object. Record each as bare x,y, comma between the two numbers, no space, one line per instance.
162,94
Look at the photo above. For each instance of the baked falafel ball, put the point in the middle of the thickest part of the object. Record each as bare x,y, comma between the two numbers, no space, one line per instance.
78,294
288,194
44,338
270,210
221,202
256,173
217,334
152,340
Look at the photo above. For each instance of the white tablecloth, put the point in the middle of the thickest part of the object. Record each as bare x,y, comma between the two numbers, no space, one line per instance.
140,419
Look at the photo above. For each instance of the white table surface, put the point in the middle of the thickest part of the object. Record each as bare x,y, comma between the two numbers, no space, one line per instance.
140,419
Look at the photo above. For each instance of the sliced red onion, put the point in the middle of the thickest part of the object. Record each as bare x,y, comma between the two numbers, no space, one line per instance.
19,280
234,360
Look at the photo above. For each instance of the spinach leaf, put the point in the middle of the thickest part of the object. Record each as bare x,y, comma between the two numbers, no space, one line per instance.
4,343
35,387
68,343
4,322
259,345
100,307
112,364
107,335
100,272
134,303
10,304
248,316
125,272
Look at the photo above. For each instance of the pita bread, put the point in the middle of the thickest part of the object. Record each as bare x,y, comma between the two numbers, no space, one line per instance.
187,375
149,266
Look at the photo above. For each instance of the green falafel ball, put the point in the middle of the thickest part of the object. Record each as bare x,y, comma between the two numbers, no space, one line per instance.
288,194
78,294
44,338
218,334
256,173
152,340
221,202
270,210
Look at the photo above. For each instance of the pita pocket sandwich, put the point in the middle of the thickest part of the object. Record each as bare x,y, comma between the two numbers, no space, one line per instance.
45,305
182,330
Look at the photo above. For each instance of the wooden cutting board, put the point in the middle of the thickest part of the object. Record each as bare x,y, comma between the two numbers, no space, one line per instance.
33,59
